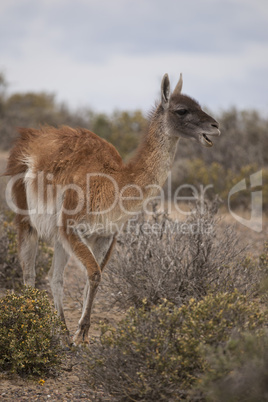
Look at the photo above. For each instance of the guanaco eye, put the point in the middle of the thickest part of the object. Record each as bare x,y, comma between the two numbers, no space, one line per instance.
182,112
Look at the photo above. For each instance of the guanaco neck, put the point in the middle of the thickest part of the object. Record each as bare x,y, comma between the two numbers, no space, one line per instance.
154,157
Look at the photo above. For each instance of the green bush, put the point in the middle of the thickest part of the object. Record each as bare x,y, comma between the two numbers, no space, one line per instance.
156,354
238,370
29,333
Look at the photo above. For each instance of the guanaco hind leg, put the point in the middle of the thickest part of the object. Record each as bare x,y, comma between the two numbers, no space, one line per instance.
27,249
55,275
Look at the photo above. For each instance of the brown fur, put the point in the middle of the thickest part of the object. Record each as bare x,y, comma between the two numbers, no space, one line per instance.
65,156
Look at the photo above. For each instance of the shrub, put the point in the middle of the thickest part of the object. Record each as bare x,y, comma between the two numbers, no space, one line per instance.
10,269
263,259
238,370
162,258
156,354
29,333
197,173
263,266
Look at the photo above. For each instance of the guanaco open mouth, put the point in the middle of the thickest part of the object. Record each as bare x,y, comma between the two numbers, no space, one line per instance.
203,138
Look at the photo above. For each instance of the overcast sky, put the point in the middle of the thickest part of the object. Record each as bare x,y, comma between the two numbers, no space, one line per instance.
108,54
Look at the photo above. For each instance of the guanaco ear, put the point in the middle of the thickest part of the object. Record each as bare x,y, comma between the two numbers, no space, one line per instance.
178,88
165,91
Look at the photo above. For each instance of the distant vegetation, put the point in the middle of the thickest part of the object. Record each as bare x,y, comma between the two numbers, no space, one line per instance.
123,129
241,150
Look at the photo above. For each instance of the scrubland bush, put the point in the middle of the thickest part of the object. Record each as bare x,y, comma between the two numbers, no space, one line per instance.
195,172
29,333
160,258
156,352
238,370
10,269
263,259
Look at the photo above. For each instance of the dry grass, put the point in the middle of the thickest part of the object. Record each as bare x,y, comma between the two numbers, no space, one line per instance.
164,259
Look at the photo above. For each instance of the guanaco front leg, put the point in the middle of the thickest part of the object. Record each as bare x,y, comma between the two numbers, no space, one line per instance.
102,248
83,252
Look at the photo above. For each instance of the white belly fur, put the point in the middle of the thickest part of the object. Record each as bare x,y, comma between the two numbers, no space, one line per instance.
43,215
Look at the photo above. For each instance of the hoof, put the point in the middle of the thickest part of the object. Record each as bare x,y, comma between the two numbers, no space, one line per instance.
85,342
80,338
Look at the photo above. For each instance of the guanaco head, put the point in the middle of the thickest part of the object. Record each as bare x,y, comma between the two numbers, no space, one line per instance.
184,116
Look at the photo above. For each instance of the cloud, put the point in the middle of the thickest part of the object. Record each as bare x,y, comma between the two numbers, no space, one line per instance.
113,54
97,30
129,82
